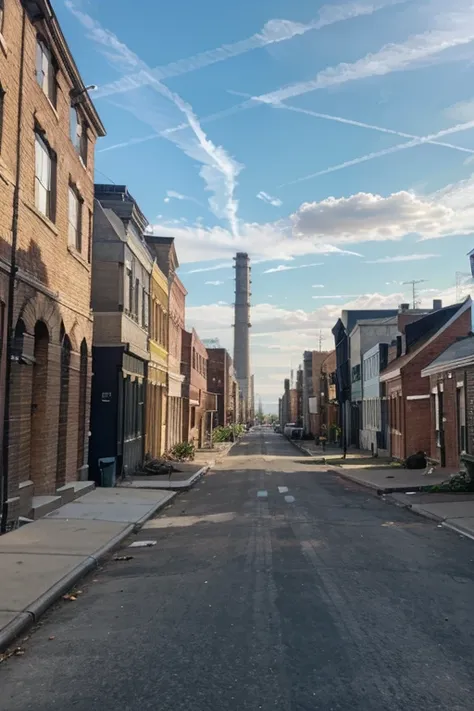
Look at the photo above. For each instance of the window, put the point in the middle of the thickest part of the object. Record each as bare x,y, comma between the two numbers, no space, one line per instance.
74,219
145,308
89,236
44,177
2,93
130,290
137,298
45,70
78,133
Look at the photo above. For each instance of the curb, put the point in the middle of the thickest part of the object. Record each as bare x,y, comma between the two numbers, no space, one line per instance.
29,616
373,487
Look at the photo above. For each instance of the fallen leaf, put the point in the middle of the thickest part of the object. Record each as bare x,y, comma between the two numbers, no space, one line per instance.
69,597
123,557
51,637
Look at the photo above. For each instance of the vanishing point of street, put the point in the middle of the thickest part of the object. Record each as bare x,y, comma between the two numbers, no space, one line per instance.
273,585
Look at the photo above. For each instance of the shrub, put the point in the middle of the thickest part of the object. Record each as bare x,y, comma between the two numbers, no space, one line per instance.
182,451
228,433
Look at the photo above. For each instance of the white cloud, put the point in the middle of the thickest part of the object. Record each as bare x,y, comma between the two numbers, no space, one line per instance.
218,170
454,29
317,286
173,195
214,283
285,268
273,31
462,111
213,268
263,242
337,296
276,202
366,217
402,258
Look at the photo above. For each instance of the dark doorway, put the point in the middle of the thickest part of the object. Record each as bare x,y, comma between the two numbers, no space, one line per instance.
39,433
63,411
82,424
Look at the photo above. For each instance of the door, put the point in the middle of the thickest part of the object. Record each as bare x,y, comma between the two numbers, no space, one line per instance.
442,447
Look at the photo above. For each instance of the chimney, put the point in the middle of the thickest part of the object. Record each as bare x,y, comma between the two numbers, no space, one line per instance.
399,346
404,307
437,304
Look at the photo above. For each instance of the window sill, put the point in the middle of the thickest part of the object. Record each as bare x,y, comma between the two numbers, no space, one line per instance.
42,217
3,45
77,255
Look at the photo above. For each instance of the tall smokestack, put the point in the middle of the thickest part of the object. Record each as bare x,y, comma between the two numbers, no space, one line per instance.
242,325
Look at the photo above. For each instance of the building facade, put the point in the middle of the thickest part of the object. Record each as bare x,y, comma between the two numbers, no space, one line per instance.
198,404
451,379
163,250
408,393
374,432
349,418
48,130
221,380
157,382
122,266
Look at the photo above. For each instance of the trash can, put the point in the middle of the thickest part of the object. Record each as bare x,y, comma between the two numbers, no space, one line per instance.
107,471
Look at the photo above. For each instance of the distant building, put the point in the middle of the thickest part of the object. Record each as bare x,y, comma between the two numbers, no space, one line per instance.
198,404
222,381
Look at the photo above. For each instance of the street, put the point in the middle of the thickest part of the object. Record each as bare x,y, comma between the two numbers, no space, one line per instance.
273,585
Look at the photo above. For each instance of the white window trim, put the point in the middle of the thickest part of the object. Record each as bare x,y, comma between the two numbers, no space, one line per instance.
43,176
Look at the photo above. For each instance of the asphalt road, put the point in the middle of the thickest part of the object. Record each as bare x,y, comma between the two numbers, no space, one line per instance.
319,597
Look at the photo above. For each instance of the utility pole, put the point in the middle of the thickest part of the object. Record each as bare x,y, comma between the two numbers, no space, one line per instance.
413,283
320,340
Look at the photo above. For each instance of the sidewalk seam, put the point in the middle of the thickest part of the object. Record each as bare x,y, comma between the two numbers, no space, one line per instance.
31,614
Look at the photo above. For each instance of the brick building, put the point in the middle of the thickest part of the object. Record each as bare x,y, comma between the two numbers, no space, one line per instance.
317,366
222,381
48,130
451,380
407,392
198,403
163,250
156,400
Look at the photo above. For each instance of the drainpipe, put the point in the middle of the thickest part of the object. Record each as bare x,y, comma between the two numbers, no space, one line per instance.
11,289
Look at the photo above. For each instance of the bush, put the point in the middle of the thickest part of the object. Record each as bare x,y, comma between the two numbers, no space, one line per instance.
229,433
183,451
461,482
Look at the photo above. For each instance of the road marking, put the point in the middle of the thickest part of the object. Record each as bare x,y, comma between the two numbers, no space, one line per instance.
262,494
282,489
289,499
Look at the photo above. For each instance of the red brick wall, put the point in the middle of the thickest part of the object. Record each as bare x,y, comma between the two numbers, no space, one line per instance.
54,280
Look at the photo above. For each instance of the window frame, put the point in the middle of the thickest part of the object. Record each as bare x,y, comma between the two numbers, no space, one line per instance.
79,137
2,99
46,80
77,242
50,207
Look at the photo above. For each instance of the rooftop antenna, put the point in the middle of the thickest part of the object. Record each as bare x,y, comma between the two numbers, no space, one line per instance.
413,283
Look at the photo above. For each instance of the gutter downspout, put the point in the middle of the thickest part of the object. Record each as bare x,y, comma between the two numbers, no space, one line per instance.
11,290
171,276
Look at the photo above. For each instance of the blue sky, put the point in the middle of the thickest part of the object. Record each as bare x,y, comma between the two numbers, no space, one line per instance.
333,142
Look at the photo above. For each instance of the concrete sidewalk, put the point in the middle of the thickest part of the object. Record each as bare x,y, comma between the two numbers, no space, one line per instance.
389,479
454,511
43,560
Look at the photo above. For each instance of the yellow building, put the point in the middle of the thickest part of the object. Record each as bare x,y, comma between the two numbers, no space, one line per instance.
156,411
